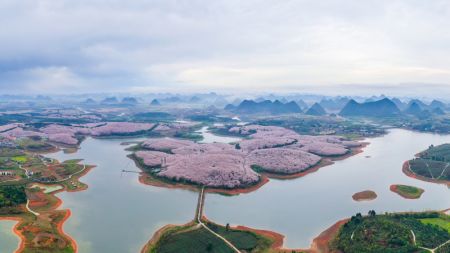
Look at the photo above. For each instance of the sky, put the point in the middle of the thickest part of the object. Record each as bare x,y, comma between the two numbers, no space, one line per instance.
325,47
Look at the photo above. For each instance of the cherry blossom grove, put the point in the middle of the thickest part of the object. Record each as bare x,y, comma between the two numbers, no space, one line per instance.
274,149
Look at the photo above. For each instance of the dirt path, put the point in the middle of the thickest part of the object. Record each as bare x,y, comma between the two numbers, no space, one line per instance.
27,206
200,222
443,171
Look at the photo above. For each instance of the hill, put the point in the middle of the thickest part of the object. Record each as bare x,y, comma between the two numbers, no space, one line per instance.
414,109
155,102
129,101
381,108
334,104
266,106
437,104
316,110
110,100
399,103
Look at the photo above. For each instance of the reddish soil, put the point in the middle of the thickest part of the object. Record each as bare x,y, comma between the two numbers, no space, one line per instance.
277,238
16,231
61,230
38,199
320,243
364,196
410,173
353,151
393,188
149,180
157,235
77,178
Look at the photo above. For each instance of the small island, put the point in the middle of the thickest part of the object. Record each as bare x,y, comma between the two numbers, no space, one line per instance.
364,196
431,165
406,191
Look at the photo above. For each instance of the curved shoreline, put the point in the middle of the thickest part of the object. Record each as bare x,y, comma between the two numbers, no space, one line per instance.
60,227
407,171
320,244
366,195
394,188
15,230
52,208
147,179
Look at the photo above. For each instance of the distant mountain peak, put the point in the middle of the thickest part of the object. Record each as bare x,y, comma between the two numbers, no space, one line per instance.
316,110
265,106
380,108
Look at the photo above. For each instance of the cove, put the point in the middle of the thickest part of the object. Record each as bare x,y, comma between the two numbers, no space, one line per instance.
117,213
302,208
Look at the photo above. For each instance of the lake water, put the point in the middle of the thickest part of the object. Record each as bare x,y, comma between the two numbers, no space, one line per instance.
118,214
208,137
8,240
302,208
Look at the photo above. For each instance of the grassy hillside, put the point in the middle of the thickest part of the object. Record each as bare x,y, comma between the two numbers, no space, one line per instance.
391,233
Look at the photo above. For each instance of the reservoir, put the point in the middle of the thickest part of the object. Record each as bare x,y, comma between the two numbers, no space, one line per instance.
118,214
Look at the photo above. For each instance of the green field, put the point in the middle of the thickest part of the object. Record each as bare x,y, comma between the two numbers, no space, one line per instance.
443,222
444,249
193,238
243,240
409,191
20,159
390,233
433,163
196,240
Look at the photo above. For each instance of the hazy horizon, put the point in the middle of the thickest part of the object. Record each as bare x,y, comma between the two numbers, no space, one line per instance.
330,48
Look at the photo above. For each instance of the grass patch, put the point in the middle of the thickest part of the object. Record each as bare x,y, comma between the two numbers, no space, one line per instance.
443,222
197,240
243,240
20,159
389,233
407,191
433,163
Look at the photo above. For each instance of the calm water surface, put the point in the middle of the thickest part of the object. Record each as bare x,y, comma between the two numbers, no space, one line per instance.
8,240
302,208
117,214
208,137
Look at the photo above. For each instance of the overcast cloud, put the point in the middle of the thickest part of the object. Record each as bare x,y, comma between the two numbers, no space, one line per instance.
144,46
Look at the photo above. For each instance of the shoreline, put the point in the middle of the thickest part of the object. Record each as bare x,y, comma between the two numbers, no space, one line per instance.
148,179
366,195
15,230
52,209
408,172
320,244
60,227
394,188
